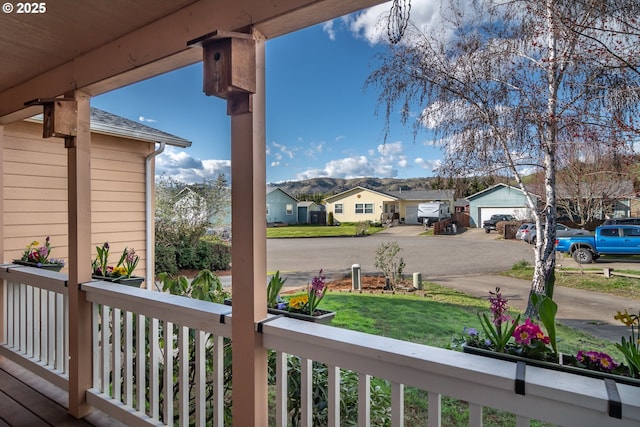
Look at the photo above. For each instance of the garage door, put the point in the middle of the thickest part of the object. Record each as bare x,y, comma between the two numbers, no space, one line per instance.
518,212
411,215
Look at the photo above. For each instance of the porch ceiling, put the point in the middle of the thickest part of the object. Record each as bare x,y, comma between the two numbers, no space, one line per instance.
98,46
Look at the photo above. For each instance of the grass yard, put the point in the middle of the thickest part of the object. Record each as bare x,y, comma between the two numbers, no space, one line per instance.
434,319
589,279
343,230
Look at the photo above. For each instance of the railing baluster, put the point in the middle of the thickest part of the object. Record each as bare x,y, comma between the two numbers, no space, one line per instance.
116,354
104,359
141,354
51,353
397,405
44,327
37,322
30,325
218,371
168,373
95,346
435,410
154,382
128,358
364,400
65,334
475,415
200,379
183,376
282,370
333,376
10,324
60,340
23,318
306,391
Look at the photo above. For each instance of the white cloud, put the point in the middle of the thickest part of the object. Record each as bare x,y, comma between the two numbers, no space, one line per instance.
429,165
284,149
327,27
182,166
144,119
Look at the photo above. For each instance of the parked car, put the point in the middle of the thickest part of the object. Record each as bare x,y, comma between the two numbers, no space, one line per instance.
490,224
561,231
608,240
623,221
524,230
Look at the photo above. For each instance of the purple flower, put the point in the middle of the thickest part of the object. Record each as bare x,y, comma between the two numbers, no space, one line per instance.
317,283
499,308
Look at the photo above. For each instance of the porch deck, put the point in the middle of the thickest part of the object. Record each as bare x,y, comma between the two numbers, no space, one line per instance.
27,400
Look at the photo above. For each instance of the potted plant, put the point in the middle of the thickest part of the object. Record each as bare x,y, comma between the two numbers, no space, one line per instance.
300,306
507,339
123,271
37,255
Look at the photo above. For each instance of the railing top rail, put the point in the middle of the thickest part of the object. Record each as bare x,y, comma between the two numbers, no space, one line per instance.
38,277
196,314
482,380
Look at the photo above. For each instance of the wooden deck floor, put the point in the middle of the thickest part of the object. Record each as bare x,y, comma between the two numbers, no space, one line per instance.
26,400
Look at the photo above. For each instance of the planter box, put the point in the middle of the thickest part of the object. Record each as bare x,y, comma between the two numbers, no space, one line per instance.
322,316
129,281
550,365
51,267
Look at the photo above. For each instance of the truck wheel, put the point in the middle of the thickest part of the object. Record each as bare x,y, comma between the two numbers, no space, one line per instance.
582,256
486,230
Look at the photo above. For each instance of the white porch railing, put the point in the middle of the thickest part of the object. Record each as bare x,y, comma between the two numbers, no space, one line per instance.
36,321
140,368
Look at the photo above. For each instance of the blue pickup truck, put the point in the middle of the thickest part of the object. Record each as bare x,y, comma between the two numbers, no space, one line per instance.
608,240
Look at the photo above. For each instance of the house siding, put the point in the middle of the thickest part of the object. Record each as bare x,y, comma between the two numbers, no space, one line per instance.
349,200
506,199
277,201
35,192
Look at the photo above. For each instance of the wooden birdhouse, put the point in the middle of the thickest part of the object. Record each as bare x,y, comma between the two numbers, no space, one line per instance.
229,63
59,118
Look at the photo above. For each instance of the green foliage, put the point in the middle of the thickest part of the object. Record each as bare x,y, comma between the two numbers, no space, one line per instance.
330,220
273,289
206,286
380,395
521,265
389,262
166,259
498,334
212,255
547,310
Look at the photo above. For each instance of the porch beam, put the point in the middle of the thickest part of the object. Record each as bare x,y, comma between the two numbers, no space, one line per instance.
161,46
79,200
248,253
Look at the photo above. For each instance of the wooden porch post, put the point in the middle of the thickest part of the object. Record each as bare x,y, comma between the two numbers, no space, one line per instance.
248,205
79,194
2,282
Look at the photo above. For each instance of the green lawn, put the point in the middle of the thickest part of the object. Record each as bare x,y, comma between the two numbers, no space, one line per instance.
293,231
585,279
434,319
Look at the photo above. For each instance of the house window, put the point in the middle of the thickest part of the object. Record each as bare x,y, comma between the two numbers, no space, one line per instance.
364,208
289,209
267,208
338,208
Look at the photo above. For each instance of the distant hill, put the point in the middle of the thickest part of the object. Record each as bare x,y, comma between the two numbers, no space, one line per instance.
330,186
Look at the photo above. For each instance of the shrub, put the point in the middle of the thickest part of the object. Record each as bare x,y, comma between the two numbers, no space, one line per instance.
330,221
166,259
212,255
389,262
362,228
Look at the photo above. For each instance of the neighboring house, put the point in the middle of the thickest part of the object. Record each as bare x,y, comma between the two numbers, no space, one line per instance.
281,206
34,172
497,199
461,206
192,205
364,204
311,213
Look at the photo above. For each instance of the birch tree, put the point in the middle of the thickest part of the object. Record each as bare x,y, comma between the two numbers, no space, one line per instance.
502,84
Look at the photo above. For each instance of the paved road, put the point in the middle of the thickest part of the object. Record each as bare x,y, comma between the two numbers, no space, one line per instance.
471,252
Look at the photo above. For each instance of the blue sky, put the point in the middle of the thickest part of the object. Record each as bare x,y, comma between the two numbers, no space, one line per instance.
321,121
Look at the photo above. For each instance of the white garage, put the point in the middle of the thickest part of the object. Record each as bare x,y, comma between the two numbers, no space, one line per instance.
498,199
